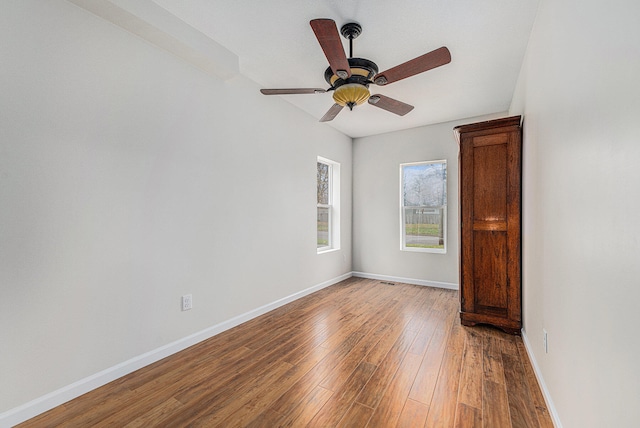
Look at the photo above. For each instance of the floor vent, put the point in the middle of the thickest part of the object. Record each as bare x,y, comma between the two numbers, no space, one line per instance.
387,283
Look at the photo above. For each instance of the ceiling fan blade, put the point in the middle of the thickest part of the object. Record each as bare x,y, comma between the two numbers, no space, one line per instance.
327,34
332,113
433,59
292,91
389,104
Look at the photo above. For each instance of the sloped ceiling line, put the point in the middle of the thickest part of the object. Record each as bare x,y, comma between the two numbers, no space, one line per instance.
157,26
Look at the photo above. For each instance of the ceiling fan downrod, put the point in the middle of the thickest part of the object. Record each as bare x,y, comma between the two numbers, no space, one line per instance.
350,31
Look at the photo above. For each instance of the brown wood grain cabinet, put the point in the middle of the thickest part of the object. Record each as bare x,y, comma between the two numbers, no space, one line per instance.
490,222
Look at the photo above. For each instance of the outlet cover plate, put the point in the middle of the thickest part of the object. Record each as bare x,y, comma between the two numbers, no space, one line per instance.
187,302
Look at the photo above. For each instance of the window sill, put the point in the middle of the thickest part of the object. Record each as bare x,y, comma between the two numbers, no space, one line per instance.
328,250
424,250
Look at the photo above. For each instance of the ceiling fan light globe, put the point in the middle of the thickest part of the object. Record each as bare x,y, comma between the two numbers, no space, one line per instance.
351,94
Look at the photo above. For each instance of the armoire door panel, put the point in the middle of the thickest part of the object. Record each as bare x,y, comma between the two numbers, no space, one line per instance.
490,182
490,270
491,139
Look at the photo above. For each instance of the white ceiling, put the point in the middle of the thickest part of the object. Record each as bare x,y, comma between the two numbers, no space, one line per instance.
277,49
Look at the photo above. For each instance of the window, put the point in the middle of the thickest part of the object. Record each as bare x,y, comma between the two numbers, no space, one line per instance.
328,198
423,206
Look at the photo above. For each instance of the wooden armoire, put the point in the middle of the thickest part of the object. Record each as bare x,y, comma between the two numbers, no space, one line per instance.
490,225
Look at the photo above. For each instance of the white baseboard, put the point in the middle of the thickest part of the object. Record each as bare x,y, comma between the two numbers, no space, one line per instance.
53,399
545,392
448,285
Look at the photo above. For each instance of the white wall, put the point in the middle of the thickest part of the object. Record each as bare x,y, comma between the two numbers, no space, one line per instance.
129,178
580,97
376,199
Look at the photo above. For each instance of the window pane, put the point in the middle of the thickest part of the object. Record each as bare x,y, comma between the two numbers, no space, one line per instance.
424,184
328,205
323,227
424,206
424,227
323,183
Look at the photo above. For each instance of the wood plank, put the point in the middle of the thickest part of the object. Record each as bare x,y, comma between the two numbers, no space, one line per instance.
431,303
442,409
468,417
377,354
394,398
414,414
492,360
260,392
427,377
472,373
357,417
432,318
419,308
234,399
106,400
509,346
290,399
336,407
173,383
268,394
495,405
239,374
267,419
306,409
156,414
99,412
372,393
521,408
336,377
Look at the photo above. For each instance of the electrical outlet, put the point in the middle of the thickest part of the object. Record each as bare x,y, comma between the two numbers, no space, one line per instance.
545,341
187,302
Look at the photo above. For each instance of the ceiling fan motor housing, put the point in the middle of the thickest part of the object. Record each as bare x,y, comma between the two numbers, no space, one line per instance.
353,90
362,71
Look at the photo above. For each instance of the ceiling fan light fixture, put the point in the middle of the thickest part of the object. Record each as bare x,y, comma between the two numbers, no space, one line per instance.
351,94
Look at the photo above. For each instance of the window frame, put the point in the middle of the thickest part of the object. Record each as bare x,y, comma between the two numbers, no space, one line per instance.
333,206
403,246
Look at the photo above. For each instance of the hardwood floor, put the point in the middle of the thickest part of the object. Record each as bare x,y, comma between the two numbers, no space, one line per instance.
359,353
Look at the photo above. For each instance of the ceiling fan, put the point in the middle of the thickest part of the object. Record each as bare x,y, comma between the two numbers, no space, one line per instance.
350,77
